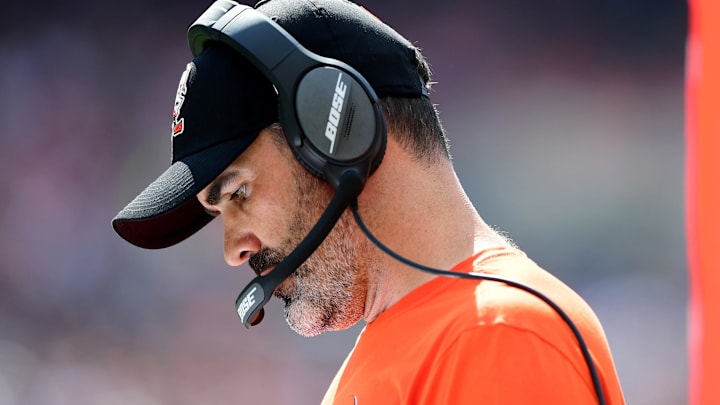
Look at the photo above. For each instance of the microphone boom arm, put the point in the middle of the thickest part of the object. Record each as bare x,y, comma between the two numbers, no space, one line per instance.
249,304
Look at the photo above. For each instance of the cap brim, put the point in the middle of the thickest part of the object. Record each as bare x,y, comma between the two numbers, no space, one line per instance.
167,211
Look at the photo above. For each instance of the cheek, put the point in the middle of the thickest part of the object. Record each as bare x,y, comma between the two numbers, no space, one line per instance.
275,221
270,221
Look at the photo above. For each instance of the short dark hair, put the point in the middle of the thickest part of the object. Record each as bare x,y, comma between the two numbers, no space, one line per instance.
415,121
415,124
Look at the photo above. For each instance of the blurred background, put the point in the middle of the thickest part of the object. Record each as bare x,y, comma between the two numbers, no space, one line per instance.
566,121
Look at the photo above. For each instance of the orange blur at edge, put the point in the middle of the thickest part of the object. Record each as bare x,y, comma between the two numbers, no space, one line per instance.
702,204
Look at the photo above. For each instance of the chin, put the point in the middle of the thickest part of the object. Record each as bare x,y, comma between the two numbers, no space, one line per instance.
309,320
304,325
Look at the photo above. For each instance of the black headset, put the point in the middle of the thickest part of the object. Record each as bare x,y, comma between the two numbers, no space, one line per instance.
329,113
334,125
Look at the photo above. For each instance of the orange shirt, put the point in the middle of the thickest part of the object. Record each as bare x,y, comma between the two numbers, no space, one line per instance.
456,341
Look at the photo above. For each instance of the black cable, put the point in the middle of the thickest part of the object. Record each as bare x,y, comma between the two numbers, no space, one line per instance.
476,276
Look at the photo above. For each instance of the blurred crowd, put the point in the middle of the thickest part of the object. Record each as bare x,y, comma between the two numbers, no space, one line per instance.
566,125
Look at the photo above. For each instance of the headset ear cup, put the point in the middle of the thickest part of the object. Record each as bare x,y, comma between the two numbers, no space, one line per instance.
340,121
310,167
382,148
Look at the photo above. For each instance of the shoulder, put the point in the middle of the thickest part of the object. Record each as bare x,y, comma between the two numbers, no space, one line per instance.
511,334
519,308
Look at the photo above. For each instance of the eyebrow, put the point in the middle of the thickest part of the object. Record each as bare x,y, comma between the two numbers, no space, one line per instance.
216,188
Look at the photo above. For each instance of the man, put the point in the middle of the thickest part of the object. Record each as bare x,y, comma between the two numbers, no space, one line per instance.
427,339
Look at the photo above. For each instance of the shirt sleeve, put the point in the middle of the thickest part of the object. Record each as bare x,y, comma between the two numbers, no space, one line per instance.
505,365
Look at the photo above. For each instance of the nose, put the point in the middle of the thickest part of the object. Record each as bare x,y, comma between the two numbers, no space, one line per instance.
239,247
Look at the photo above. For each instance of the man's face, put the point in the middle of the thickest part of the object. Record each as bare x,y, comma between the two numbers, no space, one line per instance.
269,203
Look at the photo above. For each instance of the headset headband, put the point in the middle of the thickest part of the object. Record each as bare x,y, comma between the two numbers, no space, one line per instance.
329,112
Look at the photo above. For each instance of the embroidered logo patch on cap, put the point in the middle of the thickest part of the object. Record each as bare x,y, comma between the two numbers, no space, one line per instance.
178,125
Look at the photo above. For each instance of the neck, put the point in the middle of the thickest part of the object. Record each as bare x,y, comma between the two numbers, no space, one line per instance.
422,213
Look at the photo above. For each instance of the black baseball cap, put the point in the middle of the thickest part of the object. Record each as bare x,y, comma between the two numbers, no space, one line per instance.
223,102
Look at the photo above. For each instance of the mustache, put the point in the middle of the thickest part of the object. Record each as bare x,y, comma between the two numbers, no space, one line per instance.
265,258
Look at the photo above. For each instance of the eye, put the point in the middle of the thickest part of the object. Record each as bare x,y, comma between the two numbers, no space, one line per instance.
241,193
